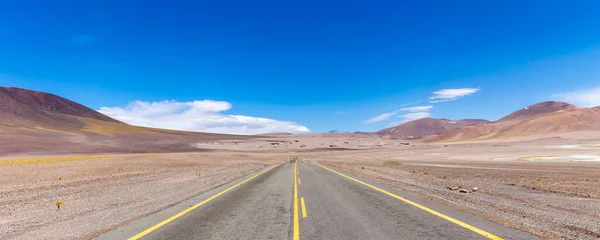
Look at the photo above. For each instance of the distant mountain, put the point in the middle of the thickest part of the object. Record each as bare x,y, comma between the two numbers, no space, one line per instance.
38,122
21,107
538,109
359,132
428,126
538,119
336,131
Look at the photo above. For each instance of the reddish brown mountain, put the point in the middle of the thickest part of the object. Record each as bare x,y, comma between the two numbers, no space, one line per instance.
428,126
538,109
545,118
26,108
37,122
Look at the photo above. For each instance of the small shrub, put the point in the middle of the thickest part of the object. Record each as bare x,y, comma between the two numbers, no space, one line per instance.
586,179
537,179
392,164
444,176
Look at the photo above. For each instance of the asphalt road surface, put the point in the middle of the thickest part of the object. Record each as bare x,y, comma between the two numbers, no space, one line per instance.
299,200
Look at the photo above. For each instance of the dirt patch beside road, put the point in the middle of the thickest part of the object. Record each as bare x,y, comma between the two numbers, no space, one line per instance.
100,192
552,199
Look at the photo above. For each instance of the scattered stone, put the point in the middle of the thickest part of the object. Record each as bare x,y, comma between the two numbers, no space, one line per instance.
462,190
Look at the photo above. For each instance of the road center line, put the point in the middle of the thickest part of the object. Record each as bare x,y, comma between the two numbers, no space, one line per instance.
296,219
303,207
299,182
151,229
429,210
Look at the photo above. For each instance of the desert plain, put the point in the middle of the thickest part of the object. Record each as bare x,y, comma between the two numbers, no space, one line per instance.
548,186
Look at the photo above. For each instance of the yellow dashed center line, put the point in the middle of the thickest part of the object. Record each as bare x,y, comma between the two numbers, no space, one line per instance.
151,229
299,182
296,220
303,207
429,210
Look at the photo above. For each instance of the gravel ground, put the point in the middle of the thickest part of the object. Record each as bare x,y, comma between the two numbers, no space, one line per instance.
100,194
554,200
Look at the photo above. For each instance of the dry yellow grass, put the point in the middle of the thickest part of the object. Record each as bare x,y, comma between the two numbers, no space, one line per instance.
110,128
59,159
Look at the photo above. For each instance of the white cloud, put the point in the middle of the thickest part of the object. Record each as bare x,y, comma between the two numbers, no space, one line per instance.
200,116
585,98
414,116
446,95
410,117
415,112
381,117
417,108
443,100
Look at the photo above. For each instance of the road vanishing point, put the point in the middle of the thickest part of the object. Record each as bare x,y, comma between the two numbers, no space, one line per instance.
300,200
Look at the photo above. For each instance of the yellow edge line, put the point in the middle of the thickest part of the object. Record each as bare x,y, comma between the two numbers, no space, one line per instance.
429,210
151,229
296,220
303,207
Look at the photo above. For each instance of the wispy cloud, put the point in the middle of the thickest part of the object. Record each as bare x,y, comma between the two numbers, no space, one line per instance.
414,114
418,112
381,117
417,108
79,39
199,115
404,118
446,95
584,98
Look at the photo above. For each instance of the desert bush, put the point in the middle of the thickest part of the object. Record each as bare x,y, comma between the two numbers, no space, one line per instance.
392,164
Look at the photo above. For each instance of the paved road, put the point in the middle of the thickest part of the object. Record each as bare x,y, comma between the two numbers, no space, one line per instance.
321,203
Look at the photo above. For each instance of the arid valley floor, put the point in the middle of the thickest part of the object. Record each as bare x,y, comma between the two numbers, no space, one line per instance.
549,187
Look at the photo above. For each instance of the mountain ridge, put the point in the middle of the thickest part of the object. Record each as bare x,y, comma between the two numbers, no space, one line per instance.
427,126
537,119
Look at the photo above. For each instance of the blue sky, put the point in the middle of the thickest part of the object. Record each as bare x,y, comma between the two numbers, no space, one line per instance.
286,65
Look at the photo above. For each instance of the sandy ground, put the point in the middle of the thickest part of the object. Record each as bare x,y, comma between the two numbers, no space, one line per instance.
101,192
307,142
549,189
547,186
